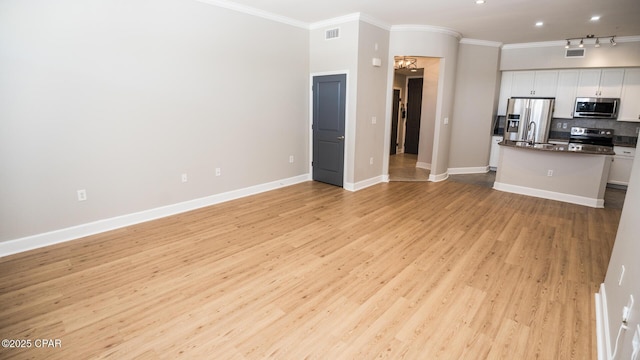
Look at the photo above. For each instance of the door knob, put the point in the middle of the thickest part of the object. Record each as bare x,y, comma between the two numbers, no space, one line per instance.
340,137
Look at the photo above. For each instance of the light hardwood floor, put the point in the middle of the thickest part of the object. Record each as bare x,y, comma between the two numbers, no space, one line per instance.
404,270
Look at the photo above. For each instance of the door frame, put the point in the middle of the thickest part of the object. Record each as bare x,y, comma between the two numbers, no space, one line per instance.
348,141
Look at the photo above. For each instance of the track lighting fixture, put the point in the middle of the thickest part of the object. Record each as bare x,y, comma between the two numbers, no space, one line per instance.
596,42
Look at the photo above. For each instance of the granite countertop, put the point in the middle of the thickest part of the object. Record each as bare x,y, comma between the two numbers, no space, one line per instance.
573,149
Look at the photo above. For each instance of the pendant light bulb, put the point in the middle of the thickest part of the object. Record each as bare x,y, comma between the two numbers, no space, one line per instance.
597,42
568,44
581,43
613,42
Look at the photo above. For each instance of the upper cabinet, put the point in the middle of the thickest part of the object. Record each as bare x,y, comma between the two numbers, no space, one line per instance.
526,84
534,83
566,85
600,83
630,98
566,93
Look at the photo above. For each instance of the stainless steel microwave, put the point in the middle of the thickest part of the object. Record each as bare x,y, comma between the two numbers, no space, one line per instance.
601,108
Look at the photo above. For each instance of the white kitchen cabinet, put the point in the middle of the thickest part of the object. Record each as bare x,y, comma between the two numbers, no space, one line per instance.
495,152
630,98
505,91
600,83
566,93
534,83
620,171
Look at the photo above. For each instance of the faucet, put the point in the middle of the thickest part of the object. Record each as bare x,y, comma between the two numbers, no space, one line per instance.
533,133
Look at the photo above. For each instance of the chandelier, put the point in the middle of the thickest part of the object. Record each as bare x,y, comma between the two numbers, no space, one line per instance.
405,62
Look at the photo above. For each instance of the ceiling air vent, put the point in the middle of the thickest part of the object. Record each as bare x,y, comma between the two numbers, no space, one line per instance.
332,34
574,53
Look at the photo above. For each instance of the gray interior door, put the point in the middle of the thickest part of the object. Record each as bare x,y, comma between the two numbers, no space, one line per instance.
329,99
394,122
414,113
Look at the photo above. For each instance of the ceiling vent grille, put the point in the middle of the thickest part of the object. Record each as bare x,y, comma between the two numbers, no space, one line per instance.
332,34
574,53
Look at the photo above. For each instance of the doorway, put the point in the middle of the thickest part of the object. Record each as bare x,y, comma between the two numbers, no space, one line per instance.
328,127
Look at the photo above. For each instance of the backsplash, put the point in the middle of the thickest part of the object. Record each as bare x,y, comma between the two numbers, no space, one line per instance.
625,133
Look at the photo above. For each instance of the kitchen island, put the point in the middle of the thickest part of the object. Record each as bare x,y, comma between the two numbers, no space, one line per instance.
569,173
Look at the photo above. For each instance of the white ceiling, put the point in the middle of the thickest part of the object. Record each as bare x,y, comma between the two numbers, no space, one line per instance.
504,21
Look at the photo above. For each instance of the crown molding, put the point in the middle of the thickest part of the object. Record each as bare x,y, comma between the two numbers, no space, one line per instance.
619,39
256,12
427,28
480,42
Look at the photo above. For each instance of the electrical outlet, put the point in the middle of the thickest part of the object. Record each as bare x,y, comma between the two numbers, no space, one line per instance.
374,120
370,161
184,178
291,159
446,120
82,195
550,173
564,125
559,125
218,172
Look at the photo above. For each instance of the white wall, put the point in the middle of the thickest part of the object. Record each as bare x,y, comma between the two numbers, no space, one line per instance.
122,97
431,42
626,251
473,112
552,56
340,55
372,91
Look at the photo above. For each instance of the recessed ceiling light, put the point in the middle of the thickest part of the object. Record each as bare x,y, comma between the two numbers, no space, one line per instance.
479,2
539,23
595,18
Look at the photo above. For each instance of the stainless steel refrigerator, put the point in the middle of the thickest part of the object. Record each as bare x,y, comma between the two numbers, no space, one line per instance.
529,119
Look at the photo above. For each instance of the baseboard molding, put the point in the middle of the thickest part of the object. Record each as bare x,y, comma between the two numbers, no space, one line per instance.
423,165
603,343
468,170
551,195
438,177
365,183
58,236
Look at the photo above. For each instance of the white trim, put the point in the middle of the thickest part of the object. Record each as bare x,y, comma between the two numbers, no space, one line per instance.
366,183
438,177
469,170
551,195
423,165
427,28
603,342
256,12
619,39
480,42
58,236
335,21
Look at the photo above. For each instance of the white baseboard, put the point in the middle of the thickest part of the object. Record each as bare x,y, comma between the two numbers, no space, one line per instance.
423,165
438,177
468,170
603,342
551,195
365,183
58,236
